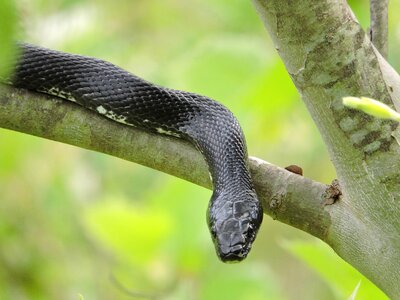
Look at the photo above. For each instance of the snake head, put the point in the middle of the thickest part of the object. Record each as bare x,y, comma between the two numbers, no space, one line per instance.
234,220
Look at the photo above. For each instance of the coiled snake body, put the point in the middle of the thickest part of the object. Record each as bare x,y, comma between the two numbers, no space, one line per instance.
234,213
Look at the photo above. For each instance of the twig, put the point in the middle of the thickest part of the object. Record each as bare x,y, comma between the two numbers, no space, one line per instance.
130,293
379,25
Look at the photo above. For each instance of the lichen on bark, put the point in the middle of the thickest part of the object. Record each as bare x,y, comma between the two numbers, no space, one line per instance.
329,56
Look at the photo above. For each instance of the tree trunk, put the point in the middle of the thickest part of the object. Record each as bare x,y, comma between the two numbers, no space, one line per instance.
328,56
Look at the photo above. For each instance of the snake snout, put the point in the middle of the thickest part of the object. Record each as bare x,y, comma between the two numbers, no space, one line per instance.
234,225
232,247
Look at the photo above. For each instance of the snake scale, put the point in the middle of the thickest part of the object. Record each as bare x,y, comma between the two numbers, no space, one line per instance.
234,212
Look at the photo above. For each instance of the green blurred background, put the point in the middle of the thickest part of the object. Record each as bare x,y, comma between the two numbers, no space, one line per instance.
74,222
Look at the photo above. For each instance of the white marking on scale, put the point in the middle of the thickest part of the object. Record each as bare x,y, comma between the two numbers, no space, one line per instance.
167,132
120,119
111,115
101,110
59,93
54,91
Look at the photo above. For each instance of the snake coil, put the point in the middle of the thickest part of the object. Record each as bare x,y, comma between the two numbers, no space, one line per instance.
234,213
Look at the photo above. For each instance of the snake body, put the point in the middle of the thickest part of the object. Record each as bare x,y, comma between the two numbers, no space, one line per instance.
234,213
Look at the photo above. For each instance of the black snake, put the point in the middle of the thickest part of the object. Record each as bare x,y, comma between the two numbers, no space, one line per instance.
234,213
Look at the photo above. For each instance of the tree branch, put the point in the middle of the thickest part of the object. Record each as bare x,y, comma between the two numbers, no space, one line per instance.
379,25
285,196
328,56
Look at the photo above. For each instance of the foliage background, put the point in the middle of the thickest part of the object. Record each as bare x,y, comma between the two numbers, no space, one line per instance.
76,222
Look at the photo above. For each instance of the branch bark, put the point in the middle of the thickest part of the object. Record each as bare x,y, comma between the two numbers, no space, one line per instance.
285,196
379,25
328,56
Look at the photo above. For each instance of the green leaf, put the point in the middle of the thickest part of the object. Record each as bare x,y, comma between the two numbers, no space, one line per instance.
131,233
254,282
8,28
339,275
372,107
354,293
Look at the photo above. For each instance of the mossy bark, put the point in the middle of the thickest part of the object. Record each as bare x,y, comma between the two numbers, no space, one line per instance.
285,196
328,56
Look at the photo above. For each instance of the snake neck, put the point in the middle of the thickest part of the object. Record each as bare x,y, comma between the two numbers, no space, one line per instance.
234,212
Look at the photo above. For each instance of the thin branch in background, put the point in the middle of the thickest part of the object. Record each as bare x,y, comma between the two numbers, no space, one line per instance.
128,292
379,25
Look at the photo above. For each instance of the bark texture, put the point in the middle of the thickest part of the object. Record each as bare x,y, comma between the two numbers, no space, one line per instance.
379,25
329,56
285,196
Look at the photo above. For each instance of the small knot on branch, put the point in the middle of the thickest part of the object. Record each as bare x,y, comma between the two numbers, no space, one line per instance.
332,193
295,169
